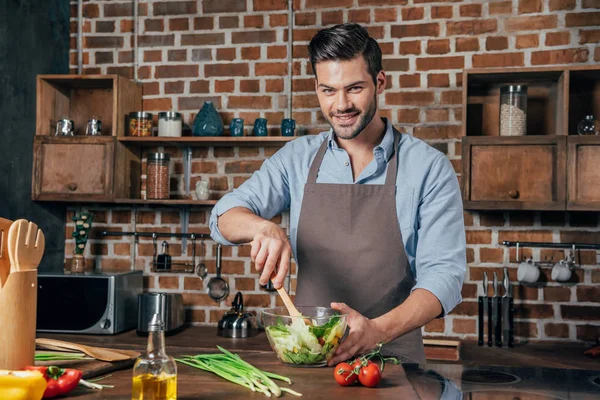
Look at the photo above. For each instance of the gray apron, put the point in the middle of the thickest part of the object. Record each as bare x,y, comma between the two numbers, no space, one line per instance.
350,250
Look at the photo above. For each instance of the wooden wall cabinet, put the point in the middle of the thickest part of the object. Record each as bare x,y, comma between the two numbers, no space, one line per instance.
550,168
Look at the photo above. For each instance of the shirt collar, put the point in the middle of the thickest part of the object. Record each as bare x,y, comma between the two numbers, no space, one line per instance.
383,149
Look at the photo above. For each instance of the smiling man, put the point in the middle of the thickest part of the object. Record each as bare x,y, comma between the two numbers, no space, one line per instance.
376,221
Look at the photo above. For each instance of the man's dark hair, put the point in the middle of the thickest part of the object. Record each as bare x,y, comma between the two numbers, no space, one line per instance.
345,42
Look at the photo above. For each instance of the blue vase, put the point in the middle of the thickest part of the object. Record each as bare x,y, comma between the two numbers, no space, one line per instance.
208,122
288,126
260,127
236,127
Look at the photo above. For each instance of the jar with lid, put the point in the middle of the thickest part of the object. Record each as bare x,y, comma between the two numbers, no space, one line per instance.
140,123
169,124
587,126
513,110
157,176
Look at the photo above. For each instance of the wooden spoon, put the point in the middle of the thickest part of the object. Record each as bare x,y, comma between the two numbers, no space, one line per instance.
98,353
27,243
129,353
292,310
4,259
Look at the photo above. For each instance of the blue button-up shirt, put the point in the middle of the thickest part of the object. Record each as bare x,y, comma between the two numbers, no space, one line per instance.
428,202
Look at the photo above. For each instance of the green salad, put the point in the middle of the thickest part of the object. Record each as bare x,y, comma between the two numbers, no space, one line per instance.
300,343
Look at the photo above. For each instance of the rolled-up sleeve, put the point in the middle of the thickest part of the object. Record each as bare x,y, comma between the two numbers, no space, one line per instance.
440,260
266,194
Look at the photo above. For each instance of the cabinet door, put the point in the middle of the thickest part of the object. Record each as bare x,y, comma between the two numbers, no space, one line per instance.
77,168
583,173
514,173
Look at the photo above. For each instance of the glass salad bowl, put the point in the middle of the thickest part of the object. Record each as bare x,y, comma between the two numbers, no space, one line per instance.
308,340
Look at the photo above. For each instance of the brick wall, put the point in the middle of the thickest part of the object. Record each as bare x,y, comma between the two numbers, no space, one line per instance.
234,52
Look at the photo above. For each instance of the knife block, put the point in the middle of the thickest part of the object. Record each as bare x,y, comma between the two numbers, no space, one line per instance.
18,304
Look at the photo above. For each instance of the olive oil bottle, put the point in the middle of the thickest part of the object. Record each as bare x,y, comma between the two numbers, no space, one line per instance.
155,374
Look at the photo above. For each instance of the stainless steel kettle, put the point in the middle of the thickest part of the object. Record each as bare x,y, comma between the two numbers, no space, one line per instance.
236,323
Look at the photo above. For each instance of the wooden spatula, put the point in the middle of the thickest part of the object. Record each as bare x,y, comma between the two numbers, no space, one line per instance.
292,310
98,353
4,259
27,243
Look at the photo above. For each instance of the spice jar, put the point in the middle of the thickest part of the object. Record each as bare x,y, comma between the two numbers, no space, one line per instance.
157,176
140,123
169,124
513,110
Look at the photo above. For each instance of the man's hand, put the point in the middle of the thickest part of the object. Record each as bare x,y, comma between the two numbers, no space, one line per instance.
271,249
364,335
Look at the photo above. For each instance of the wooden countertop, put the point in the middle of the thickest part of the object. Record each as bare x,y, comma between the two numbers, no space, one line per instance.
313,383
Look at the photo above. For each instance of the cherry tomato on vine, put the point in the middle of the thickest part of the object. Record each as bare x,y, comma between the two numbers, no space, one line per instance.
343,374
370,375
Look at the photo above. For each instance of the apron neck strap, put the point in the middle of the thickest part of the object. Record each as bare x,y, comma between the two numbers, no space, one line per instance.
390,178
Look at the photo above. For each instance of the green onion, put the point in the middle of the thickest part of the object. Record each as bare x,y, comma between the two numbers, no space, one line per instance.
60,356
231,367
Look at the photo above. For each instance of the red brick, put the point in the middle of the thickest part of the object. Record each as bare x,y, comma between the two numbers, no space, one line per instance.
176,71
305,101
92,42
226,54
526,329
195,316
250,86
177,55
228,70
250,53
444,12
491,255
118,10
590,4
242,167
332,18
259,36
218,183
229,22
274,85
460,325
588,293
438,80
91,11
402,31
556,330
525,236
470,256
226,86
359,16
437,115
530,6
154,25
254,21
410,80
527,41
269,5
557,38
175,8
580,313
437,326
451,97
125,57
220,6
157,104
252,102
339,4
556,5
589,36
383,15
582,19
466,308
409,98
395,64
503,7
479,237
408,115
596,276
532,311
451,62
364,3
467,44
105,26
412,13
278,20
179,24
491,218
530,23
104,57
498,60
441,46
565,56
199,87
174,87
588,333
555,294
493,43
204,167
410,47
202,39
156,40
195,103
469,290
470,10
152,55
437,132
471,27
203,23
270,69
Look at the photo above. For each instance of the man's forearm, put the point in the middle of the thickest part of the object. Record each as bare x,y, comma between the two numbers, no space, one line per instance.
240,225
417,310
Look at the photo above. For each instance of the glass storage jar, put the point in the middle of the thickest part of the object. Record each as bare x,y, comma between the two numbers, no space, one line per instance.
140,123
157,176
513,110
169,124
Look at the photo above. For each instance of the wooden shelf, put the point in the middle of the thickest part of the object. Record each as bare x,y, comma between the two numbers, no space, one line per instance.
207,141
170,202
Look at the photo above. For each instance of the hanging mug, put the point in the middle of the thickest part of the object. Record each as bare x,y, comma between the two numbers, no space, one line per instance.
288,125
260,127
236,127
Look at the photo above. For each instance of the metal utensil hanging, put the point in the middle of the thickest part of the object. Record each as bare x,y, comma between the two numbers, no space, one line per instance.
201,269
218,289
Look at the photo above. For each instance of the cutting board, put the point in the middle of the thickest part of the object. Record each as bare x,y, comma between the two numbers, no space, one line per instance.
93,368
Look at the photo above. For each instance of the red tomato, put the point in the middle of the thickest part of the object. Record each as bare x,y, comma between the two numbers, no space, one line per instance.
343,374
370,375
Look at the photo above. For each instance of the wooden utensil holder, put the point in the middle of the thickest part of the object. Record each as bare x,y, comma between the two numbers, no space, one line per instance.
18,306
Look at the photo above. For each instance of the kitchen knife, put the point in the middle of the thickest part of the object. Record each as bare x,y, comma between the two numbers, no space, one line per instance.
488,299
480,316
507,311
497,309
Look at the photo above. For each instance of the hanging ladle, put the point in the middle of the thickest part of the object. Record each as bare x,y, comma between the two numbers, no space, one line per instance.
218,289
201,269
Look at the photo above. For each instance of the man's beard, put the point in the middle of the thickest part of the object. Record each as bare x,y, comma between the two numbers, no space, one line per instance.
364,120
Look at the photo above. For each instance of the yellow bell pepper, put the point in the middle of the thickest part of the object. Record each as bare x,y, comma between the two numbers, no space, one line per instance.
21,385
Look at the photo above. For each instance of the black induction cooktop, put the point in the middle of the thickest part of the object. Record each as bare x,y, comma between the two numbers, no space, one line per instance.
451,381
